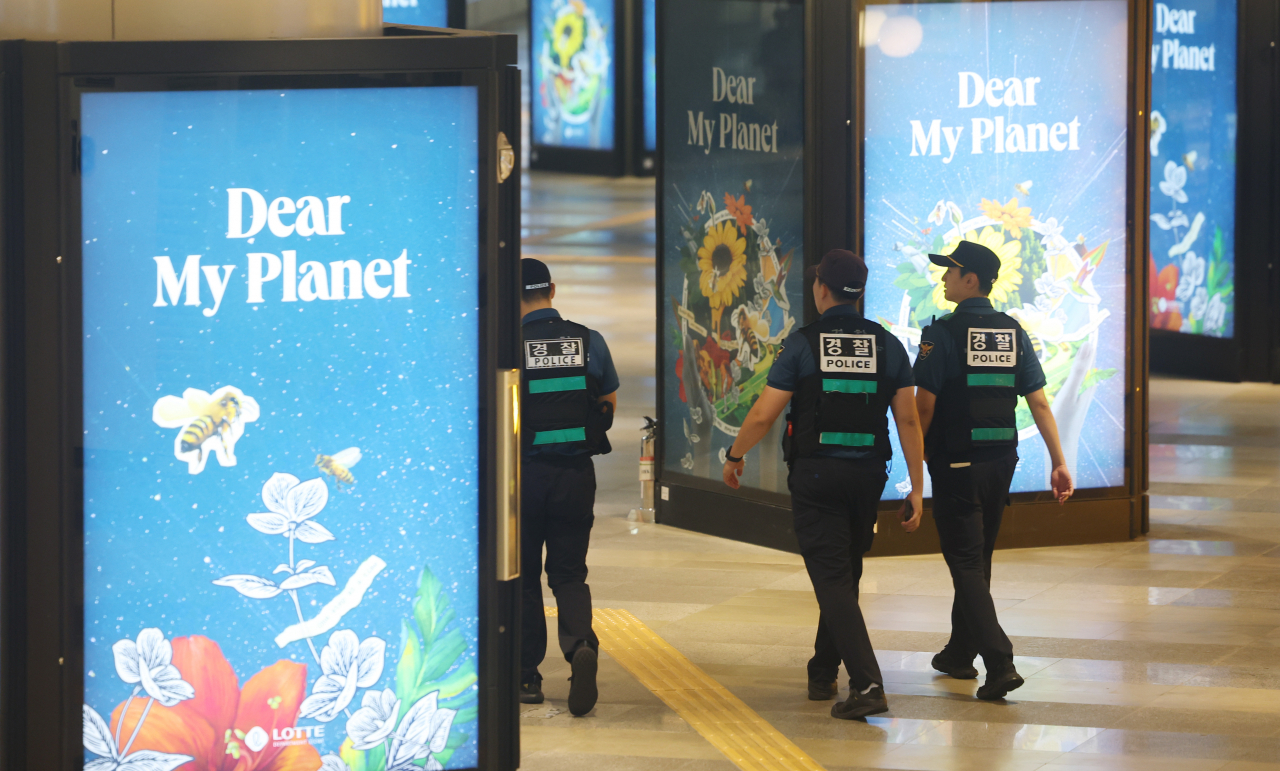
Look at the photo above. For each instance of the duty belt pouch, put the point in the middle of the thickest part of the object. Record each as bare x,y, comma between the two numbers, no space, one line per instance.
598,425
788,442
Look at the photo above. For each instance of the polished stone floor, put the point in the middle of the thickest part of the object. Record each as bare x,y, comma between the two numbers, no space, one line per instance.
1161,653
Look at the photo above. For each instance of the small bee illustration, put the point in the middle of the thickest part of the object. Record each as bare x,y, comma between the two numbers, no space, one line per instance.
1190,159
339,465
747,185
208,421
1024,189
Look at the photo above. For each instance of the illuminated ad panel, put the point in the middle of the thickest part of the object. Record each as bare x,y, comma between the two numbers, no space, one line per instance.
1005,123
420,13
650,71
1193,167
281,475
732,224
573,60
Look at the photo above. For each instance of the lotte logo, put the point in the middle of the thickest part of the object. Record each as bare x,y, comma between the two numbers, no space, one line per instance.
257,737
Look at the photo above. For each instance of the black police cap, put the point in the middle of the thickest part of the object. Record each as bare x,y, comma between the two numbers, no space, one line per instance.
974,258
534,274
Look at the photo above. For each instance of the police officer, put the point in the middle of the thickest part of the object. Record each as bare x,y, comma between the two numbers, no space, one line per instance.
972,366
841,376
569,386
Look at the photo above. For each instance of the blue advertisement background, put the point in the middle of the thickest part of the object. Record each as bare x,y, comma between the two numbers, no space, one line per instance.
712,376
1065,288
1193,168
650,70
394,377
573,99
421,13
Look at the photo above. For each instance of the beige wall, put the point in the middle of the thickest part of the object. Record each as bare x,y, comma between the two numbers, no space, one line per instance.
187,19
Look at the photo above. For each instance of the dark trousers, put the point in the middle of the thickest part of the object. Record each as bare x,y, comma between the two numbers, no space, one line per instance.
557,498
834,502
968,503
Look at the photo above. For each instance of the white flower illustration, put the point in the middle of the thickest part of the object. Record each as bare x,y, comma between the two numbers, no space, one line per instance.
1199,303
291,505
333,763
1176,219
375,720
1215,315
424,731
1051,235
348,664
1158,127
1191,276
939,211
1175,178
149,662
98,740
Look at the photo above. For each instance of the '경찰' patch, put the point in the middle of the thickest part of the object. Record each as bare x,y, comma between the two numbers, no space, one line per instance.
542,354
848,353
993,348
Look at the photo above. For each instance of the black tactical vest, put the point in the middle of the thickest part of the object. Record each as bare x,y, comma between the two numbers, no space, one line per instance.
560,407
974,415
846,402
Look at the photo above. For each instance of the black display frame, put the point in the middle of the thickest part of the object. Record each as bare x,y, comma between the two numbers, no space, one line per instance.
44,369
1253,350
576,160
640,160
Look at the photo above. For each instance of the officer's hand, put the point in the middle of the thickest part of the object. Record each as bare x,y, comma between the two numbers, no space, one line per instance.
1063,485
732,471
911,511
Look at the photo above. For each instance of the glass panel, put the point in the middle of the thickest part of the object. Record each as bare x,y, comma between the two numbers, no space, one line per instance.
1193,167
733,222
280,424
650,53
1005,123
573,60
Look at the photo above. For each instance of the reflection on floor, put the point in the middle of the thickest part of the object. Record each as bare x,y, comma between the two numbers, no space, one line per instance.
1161,654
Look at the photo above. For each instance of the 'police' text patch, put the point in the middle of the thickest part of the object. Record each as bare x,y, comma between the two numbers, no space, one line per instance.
848,353
565,352
993,348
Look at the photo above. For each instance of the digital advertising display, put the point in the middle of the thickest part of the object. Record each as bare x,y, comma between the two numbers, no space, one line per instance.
573,96
281,473
420,13
649,70
1193,167
1005,123
732,198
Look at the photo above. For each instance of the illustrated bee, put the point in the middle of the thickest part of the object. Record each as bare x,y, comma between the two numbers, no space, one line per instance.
339,465
208,422
1024,188
1190,160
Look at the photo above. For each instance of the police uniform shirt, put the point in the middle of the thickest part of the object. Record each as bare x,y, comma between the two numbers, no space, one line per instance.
599,365
796,363
939,357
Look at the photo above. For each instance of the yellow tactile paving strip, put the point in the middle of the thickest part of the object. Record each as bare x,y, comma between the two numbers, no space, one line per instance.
732,727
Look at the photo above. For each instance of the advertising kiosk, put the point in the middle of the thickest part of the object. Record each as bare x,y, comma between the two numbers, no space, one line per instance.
940,142
259,336
426,13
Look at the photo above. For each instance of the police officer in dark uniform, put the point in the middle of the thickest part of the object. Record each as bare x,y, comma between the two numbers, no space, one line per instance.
570,393
972,366
841,375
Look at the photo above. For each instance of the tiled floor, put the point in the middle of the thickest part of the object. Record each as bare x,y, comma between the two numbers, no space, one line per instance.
1160,654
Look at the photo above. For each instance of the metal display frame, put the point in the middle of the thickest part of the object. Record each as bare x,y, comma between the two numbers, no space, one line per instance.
577,160
833,219
640,161
1253,351
43,549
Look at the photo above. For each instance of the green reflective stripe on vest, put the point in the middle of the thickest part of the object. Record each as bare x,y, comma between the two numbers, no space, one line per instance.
994,434
850,386
561,436
548,385
1006,381
848,440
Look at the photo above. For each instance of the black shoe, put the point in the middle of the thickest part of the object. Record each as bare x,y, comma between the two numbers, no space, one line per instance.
820,691
582,684
860,705
531,692
951,664
1000,680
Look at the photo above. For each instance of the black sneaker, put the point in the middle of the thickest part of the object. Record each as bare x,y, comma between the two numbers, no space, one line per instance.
531,692
582,683
951,664
820,691
860,705
1000,680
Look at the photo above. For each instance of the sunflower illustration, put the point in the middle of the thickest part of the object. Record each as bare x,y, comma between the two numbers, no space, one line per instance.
723,262
1010,277
567,36
1012,216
